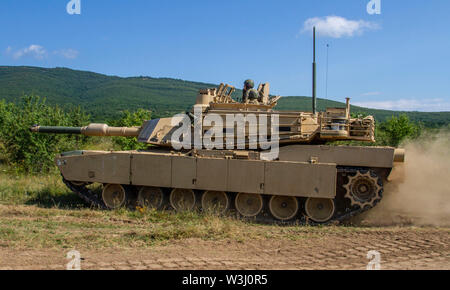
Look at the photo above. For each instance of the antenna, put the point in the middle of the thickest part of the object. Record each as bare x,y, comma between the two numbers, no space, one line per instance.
326,75
314,72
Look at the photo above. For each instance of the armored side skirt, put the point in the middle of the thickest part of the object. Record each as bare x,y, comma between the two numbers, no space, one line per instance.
290,178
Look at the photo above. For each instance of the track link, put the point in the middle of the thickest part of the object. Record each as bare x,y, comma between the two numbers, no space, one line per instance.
86,194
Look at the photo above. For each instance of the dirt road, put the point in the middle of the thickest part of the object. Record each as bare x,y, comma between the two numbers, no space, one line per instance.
400,248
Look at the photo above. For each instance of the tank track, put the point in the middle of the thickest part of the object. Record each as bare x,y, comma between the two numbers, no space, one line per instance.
86,194
340,216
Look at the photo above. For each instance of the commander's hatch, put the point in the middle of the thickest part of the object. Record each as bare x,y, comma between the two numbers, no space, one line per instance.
263,91
264,96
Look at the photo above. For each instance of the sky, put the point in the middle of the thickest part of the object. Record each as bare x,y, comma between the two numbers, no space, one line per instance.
398,59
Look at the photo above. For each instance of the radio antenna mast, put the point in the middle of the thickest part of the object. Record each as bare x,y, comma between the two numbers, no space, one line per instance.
314,72
326,76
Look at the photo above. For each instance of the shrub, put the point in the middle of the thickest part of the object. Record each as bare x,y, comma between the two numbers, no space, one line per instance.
31,152
130,119
397,129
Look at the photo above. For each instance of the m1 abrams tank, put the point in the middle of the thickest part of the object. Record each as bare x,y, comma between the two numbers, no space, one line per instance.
303,180
276,168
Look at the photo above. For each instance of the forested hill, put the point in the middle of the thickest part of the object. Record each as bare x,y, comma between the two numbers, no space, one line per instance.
104,97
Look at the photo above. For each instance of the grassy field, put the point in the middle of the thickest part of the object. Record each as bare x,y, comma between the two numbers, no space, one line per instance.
40,212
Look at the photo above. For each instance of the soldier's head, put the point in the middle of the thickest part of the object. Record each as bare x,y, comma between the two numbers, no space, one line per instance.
249,84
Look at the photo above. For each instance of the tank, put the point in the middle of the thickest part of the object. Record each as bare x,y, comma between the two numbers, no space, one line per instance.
231,157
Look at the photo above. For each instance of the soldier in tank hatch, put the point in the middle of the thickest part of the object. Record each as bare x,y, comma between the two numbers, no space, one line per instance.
249,94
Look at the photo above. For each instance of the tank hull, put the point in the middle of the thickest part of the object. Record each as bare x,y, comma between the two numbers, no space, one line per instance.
301,177
290,178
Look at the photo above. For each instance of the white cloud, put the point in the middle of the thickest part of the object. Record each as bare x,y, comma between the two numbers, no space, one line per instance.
67,53
337,27
39,52
424,105
34,50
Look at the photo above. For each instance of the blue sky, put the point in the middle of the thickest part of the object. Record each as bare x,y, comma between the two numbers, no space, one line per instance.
399,59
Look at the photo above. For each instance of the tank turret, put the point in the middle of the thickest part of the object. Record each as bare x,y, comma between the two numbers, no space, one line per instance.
292,126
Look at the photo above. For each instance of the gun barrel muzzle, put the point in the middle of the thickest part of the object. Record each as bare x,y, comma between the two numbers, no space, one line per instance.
55,129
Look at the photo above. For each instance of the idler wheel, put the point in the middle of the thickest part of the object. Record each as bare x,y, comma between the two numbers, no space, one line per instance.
151,197
182,199
283,207
320,209
114,196
249,204
215,202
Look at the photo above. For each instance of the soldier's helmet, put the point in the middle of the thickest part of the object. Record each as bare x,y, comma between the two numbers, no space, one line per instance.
249,84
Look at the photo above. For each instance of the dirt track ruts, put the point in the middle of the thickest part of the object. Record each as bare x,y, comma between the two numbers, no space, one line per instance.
402,248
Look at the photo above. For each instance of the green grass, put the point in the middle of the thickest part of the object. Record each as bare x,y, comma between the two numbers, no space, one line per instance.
45,191
40,212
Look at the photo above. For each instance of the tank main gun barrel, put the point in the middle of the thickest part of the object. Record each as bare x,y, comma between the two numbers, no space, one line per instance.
56,129
90,130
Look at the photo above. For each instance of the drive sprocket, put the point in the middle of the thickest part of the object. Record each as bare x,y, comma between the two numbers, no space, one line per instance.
364,188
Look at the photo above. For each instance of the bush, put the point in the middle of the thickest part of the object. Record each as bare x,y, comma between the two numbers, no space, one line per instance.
129,119
31,152
396,129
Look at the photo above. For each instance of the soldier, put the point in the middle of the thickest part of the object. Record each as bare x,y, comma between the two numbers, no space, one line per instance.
249,94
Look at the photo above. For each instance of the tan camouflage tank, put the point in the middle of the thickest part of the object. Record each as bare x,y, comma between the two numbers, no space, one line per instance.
302,180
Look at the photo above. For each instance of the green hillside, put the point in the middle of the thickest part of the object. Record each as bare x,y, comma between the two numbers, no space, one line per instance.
104,97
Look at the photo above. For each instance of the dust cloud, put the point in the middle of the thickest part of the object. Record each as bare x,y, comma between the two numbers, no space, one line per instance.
419,189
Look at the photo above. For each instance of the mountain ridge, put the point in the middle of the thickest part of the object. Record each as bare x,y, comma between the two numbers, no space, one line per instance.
104,97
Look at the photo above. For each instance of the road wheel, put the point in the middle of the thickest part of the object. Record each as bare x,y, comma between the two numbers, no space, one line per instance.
283,207
320,210
249,204
215,202
114,196
182,199
151,197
